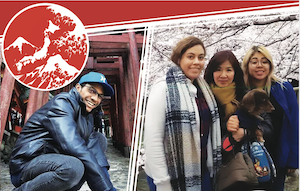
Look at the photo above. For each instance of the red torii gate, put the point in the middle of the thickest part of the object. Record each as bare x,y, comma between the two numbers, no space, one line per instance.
117,57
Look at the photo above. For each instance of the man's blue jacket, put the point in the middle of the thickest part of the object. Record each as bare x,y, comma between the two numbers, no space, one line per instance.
63,126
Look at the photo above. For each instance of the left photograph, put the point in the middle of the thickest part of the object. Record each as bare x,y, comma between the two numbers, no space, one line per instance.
76,134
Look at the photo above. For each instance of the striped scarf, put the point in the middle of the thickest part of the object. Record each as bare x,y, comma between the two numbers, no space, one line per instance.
182,139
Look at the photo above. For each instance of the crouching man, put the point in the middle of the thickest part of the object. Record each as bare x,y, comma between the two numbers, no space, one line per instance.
58,148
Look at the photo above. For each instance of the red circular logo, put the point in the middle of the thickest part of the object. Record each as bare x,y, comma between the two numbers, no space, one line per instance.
45,46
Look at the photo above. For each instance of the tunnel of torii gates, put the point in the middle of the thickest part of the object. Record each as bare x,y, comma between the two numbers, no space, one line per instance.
118,58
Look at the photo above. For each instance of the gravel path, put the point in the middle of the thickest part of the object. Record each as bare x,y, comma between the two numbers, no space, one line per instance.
118,171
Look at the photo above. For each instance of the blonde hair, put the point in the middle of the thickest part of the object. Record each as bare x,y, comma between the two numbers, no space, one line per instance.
245,67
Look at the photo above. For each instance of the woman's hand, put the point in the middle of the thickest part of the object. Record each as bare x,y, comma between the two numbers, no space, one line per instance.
233,126
233,123
291,172
238,135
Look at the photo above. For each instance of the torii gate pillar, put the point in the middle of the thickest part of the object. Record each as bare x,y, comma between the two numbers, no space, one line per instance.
7,86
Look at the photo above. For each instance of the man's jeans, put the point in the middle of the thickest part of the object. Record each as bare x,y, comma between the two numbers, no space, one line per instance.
58,171
50,172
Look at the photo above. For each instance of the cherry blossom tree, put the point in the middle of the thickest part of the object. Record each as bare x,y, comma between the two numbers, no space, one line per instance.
278,32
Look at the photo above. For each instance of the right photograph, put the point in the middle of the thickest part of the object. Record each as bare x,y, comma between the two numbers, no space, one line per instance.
218,108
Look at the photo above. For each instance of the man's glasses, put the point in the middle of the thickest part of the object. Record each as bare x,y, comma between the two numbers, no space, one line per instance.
93,91
263,62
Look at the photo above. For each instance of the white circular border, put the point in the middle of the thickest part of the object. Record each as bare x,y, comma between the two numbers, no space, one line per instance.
49,6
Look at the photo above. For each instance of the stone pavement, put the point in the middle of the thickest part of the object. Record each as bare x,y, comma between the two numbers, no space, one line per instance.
5,184
119,174
118,171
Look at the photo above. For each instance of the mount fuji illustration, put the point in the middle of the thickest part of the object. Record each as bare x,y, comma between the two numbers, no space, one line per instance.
18,49
19,43
44,67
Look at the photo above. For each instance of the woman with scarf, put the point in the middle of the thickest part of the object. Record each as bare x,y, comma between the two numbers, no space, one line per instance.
226,79
283,146
182,127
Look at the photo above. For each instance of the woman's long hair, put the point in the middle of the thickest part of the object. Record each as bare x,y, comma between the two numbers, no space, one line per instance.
245,66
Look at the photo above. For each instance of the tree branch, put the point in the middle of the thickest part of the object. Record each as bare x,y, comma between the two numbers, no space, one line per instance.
278,19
